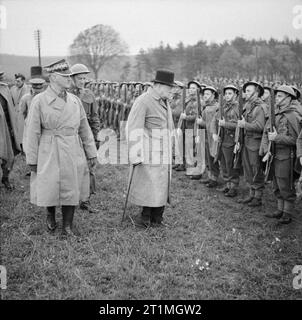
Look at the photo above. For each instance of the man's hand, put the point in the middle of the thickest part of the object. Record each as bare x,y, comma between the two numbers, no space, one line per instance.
215,137
136,164
272,135
266,157
33,168
183,116
92,163
199,121
301,160
241,123
221,122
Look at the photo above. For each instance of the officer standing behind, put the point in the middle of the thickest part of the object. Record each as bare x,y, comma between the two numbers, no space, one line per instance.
79,72
284,136
253,121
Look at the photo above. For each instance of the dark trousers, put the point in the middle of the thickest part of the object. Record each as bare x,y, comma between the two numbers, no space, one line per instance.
283,187
230,175
155,214
253,172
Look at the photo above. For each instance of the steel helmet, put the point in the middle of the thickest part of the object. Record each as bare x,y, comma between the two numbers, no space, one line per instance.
287,89
256,84
232,87
297,92
79,68
216,94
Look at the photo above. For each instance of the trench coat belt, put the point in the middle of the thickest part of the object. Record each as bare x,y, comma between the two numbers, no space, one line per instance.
60,132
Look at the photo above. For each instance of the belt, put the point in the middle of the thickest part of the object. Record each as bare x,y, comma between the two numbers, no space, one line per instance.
60,132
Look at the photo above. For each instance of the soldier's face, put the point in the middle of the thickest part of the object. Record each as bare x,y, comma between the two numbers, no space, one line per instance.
229,95
249,91
192,89
79,80
280,96
266,94
208,95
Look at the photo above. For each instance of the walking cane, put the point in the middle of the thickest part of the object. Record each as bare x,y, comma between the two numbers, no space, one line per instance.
126,201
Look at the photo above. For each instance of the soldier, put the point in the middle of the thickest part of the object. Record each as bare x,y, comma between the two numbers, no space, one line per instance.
59,139
19,89
284,136
37,85
266,98
210,96
150,187
176,108
79,72
253,121
228,121
190,115
7,105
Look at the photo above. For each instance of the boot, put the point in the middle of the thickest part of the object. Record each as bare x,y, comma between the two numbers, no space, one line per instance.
232,193
175,166
157,216
225,188
51,219
68,229
144,219
8,186
256,202
196,177
288,209
180,167
249,198
278,214
85,205
212,184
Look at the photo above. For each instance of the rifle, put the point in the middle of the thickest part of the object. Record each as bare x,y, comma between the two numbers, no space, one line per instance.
117,105
184,127
218,145
299,187
196,126
239,136
269,157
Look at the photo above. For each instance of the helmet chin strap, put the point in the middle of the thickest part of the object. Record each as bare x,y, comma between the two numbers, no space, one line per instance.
279,103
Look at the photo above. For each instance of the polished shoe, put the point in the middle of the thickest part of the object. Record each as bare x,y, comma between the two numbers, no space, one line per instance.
223,189
86,206
256,202
7,184
142,222
51,222
276,215
181,167
205,181
196,177
246,200
285,219
70,232
231,193
212,184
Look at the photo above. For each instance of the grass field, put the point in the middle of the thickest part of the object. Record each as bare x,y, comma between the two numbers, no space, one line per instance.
213,248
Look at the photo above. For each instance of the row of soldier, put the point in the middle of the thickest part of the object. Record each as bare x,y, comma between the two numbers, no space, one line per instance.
229,130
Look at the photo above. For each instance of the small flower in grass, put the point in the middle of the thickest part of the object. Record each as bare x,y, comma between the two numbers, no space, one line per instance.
277,239
233,230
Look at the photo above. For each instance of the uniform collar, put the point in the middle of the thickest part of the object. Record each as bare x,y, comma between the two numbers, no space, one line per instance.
51,94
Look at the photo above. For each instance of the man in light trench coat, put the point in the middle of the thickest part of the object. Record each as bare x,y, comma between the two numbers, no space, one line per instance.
149,130
59,140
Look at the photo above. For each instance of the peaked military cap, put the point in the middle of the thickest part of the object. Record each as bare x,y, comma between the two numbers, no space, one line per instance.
61,67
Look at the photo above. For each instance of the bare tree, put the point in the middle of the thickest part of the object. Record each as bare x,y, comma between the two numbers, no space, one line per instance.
95,46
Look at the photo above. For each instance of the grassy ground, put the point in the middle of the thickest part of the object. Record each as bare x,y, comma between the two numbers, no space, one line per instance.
213,249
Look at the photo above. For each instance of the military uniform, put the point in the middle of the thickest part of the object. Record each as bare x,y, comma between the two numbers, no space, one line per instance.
288,127
254,115
231,115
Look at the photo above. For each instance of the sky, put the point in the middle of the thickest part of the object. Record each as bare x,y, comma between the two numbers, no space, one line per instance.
143,23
